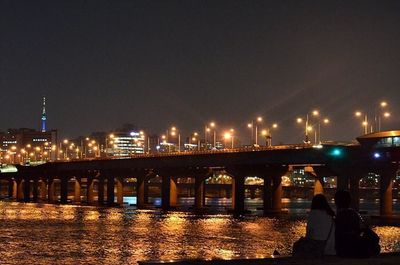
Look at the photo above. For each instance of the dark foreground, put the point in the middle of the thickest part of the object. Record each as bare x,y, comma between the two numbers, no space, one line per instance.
383,259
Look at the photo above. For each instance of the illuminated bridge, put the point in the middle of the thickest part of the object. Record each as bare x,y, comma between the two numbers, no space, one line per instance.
378,153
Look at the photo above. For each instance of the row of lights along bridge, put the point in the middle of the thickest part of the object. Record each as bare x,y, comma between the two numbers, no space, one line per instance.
128,144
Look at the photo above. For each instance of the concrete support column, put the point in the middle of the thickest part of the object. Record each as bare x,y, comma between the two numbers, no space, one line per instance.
173,194
35,190
318,185
169,193
89,190
20,190
120,191
12,189
386,199
64,190
27,190
140,192
199,195
43,190
77,190
110,190
238,194
277,192
50,192
100,190
140,198
267,195
355,192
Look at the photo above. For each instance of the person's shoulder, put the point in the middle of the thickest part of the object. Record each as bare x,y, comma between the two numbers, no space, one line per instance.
319,214
347,213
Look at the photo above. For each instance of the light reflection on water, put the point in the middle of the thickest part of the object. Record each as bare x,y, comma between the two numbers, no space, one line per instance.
51,234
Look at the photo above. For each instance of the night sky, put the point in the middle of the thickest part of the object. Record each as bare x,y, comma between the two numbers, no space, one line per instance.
160,63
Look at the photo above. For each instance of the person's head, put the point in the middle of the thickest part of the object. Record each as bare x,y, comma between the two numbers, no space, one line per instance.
319,202
342,199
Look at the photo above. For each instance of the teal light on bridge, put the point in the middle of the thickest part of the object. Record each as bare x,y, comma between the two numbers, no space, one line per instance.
336,152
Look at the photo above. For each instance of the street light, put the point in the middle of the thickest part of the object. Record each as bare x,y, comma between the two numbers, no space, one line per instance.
254,130
365,121
229,135
381,114
306,130
175,132
317,115
212,125
268,135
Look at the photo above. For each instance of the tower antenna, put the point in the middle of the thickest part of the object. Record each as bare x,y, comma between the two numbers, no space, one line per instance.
44,118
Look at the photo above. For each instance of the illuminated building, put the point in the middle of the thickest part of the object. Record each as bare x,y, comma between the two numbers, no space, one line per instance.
126,144
27,145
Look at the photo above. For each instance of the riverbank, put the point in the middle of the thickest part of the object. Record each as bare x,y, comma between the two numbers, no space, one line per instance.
383,259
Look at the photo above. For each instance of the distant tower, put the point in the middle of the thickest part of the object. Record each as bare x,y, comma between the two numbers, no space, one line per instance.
44,115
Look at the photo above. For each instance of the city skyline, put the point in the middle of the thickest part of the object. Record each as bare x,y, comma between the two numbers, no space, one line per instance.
103,64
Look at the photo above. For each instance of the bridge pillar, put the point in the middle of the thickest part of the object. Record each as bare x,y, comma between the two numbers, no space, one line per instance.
120,191
386,196
50,192
277,192
35,190
169,193
43,190
199,192
89,190
110,190
12,189
77,190
267,195
140,198
100,190
64,190
20,190
238,193
355,192
318,185
27,190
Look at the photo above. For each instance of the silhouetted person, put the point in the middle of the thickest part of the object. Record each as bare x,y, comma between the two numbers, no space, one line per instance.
320,224
348,229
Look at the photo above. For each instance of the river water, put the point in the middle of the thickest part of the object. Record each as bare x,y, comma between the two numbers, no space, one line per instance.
54,234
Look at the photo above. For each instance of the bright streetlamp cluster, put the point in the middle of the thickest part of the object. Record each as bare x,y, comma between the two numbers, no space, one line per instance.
380,113
313,123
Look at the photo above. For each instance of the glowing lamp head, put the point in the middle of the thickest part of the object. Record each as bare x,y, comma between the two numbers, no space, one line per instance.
227,135
377,155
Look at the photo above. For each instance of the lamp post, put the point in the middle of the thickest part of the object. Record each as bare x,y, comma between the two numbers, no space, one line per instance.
382,114
365,122
229,136
306,129
254,130
268,134
316,114
175,132
213,126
